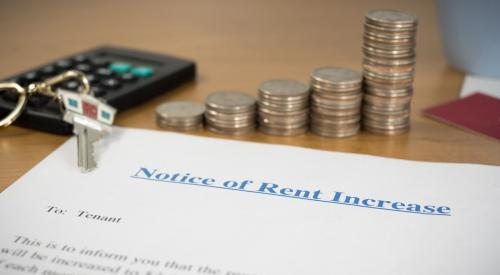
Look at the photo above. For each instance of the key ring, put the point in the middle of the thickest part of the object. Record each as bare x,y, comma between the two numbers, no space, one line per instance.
21,102
43,88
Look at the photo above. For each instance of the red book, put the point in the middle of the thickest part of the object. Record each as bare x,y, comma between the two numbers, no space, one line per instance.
477,112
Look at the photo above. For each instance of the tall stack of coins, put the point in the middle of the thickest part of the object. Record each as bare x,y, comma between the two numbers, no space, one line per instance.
388,70
180,115
336,102
283,107
230,113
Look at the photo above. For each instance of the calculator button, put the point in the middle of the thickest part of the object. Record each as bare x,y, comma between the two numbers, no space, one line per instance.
92,78
63,64
71,85
111,83
38,101
84,68
104,72
142,71
99,62
29,78
80,58
48,70
120,67
128,77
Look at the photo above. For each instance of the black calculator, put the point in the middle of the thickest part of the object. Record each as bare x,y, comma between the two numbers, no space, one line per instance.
121,77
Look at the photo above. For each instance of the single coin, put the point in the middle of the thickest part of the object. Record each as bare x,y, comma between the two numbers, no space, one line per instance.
230,102
289,99
285,106
384,110
388,61
384,69
284,88
388,53
396,42
336,76
391,18
180,110
273,112
375,28
335,112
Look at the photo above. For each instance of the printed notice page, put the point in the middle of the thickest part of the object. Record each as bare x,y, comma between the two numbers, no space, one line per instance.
171,204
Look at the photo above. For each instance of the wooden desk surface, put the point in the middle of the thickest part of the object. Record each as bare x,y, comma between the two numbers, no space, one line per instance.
236,44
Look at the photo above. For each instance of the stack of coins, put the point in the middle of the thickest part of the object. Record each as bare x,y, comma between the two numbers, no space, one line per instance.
180,115
336,102
230,113
283,107
388,70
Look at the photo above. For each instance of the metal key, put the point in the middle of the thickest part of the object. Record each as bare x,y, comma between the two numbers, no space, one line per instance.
91,119
87,135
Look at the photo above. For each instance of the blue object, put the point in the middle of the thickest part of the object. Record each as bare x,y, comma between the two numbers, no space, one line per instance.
471,35
142,71
105,115
73,103
120,67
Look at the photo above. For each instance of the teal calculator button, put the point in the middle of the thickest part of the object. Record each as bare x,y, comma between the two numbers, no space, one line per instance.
120,67
142,71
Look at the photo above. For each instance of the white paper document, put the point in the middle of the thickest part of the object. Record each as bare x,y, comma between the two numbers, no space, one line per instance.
485,85
171,204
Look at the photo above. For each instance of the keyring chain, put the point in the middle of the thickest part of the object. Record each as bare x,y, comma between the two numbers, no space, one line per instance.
44,88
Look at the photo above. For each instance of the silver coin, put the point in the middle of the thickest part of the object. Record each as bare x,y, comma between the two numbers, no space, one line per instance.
284,88
388,53
291,99
181,124
182,128
396,42
335,133
389,61
180,110
283,121
336,76
391,18
284,107
384,110
384,69
372,90
230,102
388,119
334,112
264,110
387,124
378,28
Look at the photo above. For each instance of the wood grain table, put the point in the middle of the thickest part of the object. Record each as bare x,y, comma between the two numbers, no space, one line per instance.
237,45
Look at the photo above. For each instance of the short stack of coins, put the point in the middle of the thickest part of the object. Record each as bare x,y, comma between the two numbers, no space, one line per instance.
230,113
336,102
180,115
283,107
388,69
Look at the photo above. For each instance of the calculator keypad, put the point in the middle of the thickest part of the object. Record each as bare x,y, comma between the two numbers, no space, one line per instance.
103,76
121,77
